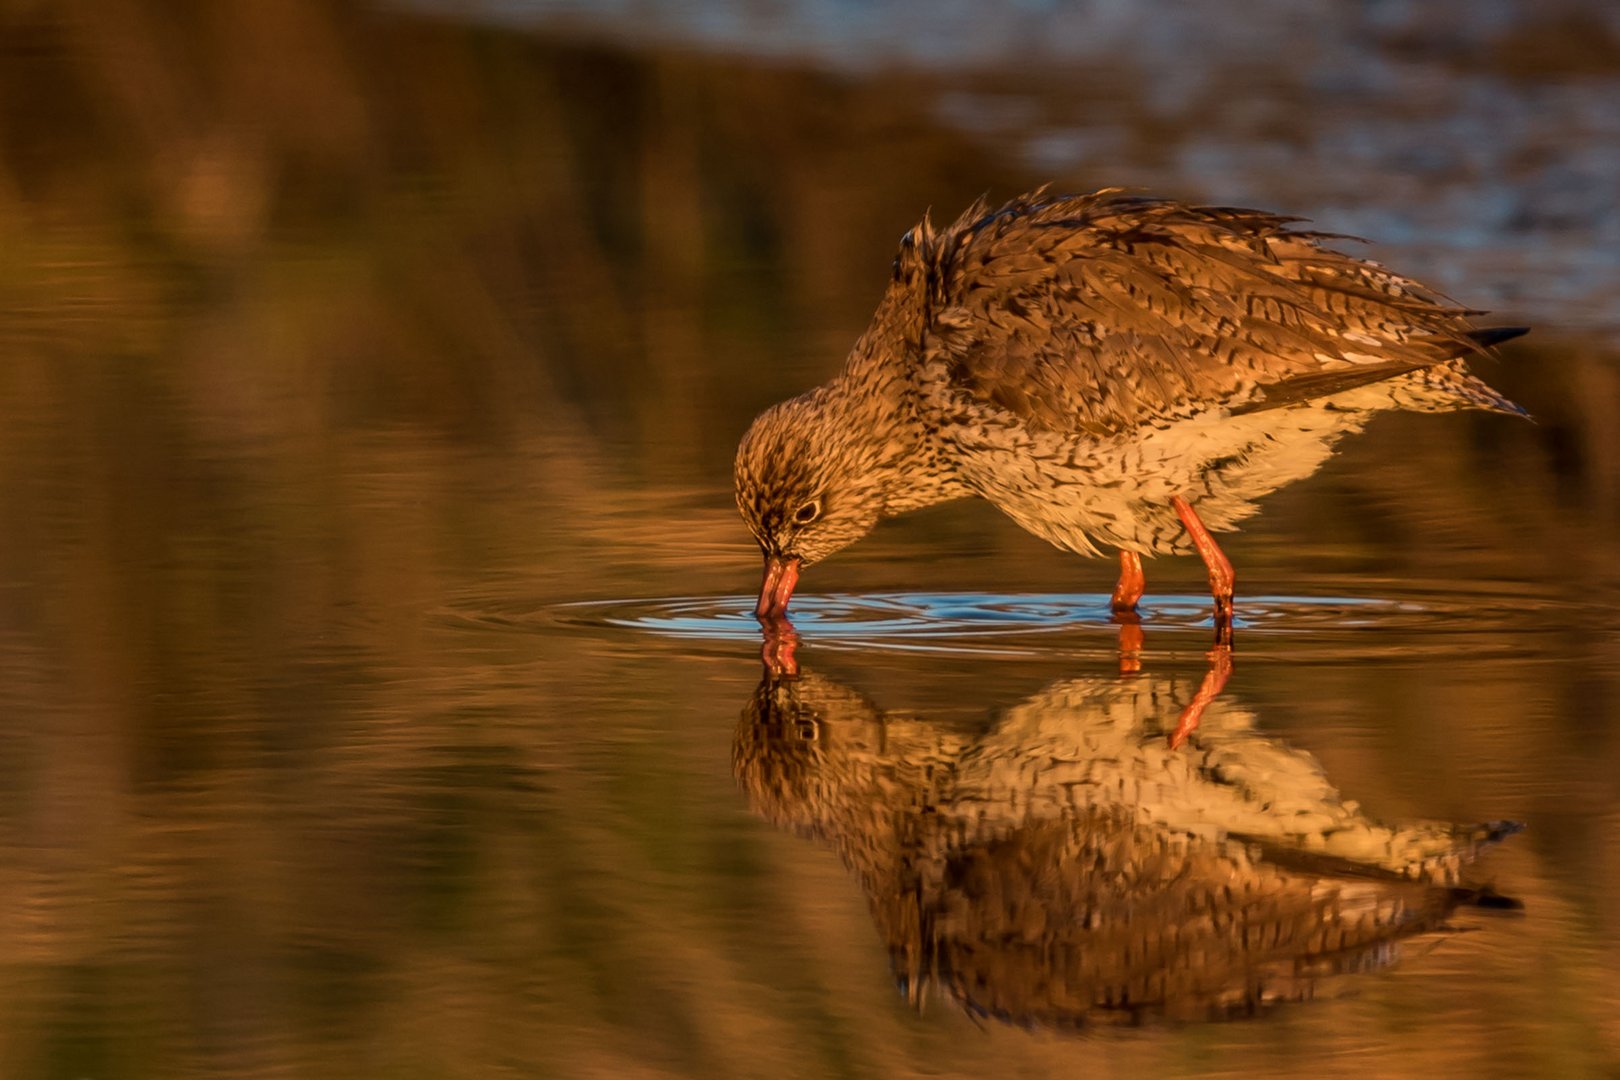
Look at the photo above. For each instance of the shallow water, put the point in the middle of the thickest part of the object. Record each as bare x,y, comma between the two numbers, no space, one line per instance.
1066,624
382,697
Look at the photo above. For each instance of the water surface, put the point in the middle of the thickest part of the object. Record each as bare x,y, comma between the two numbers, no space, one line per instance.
380,693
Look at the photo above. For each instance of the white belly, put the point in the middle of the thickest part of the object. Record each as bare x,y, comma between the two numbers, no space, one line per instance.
1081,491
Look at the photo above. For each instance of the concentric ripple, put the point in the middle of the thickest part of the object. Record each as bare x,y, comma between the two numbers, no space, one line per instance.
982,622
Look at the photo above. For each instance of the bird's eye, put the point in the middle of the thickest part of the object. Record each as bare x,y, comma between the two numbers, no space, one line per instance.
807,513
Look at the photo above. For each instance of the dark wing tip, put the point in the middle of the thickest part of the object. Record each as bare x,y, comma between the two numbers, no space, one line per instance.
1492,900
1497,831
1489,336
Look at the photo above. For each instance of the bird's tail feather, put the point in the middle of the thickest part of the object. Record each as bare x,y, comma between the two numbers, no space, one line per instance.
1445,376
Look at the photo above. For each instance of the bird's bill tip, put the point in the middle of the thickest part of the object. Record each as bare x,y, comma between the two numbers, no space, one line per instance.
781,575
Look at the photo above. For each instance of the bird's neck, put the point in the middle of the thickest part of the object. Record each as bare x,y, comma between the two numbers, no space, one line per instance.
878,403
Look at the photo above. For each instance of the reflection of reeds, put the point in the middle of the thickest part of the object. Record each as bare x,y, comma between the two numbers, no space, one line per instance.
316,320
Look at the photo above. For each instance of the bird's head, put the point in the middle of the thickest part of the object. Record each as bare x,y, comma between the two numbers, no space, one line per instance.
806,487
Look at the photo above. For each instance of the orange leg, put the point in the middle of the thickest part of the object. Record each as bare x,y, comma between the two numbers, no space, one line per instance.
1220,669
1131,582
1221,577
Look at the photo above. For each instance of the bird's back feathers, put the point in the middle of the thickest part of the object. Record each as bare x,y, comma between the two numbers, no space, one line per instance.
1102,312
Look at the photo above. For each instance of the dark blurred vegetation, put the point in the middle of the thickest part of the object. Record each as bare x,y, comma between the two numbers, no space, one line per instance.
265,225
319,322
466,225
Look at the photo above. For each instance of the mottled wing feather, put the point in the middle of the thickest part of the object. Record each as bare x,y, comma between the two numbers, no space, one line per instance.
1103,312
1323,384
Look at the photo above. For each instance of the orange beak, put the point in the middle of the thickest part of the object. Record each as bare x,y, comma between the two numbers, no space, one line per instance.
781,575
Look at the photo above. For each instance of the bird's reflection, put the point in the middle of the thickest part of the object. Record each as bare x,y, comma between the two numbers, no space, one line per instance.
779,653
1069,866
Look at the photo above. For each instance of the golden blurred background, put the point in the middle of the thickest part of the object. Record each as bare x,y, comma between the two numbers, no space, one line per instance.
341,342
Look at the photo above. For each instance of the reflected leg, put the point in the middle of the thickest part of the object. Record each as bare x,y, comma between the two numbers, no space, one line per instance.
1131,582
1221,578
1130,642
1220,669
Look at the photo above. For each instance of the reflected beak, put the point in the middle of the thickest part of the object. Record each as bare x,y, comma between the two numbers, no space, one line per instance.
781,575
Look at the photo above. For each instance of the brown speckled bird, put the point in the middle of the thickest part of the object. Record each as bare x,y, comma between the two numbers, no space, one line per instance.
1111,371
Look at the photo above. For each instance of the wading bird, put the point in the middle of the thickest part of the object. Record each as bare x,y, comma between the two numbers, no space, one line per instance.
1111,371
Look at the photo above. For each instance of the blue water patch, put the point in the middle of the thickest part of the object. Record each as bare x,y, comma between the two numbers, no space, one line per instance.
846,616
